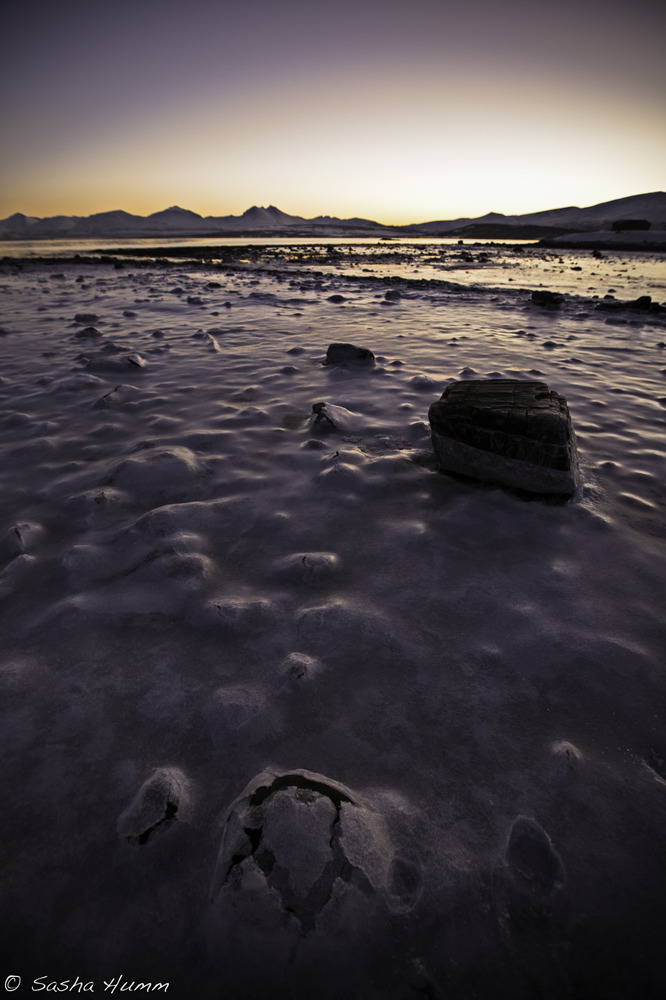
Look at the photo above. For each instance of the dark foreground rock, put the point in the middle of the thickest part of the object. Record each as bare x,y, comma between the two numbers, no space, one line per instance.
546,299
338,354
506,431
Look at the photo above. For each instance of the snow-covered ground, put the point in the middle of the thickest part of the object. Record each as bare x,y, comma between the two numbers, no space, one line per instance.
287,713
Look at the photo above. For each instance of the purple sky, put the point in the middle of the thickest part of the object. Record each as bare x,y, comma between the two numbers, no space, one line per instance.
401,111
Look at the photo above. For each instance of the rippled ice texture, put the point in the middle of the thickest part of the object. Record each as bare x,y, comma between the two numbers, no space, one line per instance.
464,689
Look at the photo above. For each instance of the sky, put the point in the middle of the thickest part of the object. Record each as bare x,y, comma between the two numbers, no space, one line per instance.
399,111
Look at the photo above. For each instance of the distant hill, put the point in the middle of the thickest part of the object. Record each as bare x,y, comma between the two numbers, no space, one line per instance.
649,207
171,222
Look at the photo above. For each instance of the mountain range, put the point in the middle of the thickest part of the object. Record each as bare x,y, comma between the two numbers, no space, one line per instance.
645,208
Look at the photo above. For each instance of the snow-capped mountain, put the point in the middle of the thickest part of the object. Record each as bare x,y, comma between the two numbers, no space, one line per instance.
176,221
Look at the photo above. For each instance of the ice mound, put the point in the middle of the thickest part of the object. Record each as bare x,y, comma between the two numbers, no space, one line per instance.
306,567
532,861
19,539
160,475
325,630
306,867
161,799
236,616
231,709
298,667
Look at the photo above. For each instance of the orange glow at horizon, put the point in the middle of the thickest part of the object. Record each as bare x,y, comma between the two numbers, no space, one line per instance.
380,127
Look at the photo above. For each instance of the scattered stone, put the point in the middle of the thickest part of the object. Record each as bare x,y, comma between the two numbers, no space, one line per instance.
329,417
155,806
548,300
338,354
393,295
336,298
643,303
86,318
104,364
508,432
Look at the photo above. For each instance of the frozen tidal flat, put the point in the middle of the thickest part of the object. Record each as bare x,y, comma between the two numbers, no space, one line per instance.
287,712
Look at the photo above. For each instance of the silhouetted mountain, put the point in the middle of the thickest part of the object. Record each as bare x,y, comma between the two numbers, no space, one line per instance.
175,221
651,207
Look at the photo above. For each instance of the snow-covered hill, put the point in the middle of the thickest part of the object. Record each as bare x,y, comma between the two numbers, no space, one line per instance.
176,221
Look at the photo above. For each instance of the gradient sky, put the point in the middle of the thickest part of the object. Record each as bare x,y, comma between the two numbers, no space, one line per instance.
399,111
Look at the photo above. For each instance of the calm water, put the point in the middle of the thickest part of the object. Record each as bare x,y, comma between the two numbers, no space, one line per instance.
505,264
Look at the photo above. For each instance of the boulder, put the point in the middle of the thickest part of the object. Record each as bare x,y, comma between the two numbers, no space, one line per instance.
338,354
508,432
546,299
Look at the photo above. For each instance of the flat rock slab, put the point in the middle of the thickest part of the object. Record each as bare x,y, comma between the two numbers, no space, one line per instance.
508,432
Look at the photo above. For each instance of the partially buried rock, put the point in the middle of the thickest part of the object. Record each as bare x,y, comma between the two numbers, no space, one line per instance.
507,432
329,417
338,354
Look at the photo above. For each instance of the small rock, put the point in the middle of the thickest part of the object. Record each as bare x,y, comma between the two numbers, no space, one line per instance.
329,417
338,354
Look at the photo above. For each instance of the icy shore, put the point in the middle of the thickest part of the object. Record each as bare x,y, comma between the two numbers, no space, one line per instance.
291,713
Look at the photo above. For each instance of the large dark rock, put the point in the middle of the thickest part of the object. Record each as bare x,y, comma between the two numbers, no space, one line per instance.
338,354
508,432
546,299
